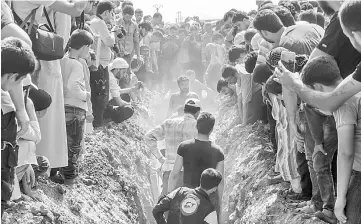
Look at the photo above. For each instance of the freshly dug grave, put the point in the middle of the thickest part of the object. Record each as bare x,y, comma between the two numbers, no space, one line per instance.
249,159
113,187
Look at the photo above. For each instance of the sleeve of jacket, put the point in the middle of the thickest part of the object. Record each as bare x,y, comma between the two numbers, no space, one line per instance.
164,205
33,133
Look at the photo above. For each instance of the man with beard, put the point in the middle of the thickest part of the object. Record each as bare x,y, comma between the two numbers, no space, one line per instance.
177,99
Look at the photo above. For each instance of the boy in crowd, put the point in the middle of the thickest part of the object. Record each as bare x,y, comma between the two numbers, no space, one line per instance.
178,99
308,16
223,88
191,206
31,166
206,39
157,20
138,16
129,43
323,131
99,79
170,49
261,74
17,60
197,155
174,131
232,77
349,154
249,93
196,86
217,52
75,98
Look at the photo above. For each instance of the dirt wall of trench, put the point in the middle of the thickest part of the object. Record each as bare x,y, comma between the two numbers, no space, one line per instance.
248,199
114,185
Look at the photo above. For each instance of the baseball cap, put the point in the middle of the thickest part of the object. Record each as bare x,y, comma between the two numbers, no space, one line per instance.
118,63
193,102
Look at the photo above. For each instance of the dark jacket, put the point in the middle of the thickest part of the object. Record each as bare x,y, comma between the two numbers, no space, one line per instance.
186,206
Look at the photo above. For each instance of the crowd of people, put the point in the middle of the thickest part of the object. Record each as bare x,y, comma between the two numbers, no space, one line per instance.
69,67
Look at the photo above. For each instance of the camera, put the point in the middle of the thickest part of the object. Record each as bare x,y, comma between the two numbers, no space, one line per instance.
121,32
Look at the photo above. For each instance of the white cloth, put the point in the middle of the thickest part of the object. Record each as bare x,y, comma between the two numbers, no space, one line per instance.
7,104
53,126
27,145
286,153
24,8
63,25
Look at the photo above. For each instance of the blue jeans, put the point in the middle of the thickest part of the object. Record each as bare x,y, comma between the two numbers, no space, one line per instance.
323,130
353,206
75,124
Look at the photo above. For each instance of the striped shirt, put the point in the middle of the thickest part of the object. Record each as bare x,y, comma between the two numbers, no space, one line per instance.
174,131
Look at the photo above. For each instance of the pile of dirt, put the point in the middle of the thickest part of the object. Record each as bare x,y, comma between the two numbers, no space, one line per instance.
249,160
113,187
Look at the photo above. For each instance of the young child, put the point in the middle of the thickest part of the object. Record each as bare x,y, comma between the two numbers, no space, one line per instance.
30,166
187,205
223,88
17,60
322,74
217,52
75,99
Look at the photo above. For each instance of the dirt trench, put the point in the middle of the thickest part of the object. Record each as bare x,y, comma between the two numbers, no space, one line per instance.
114,184
113,187
248,199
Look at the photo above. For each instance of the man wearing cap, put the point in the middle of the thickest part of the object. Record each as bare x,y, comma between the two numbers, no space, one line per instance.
119,108
174,131
177,99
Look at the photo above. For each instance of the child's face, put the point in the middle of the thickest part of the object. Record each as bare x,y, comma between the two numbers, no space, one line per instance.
192,76
9,82
173,31
225,90
85,51
127,17
232,80
208,28
108,16
138,16
219,41
40,114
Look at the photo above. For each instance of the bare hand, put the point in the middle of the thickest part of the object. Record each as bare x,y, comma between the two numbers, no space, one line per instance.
287,78
319,148
161,160
340,209
30,176
139,61
89,118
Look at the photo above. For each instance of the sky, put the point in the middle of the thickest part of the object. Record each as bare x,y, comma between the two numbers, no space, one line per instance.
205,9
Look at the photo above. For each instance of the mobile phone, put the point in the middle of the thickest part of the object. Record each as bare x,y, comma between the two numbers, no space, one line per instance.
288,59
